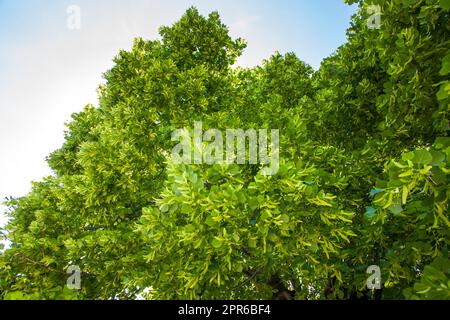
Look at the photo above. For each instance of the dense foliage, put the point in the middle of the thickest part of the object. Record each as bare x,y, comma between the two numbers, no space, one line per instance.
363,178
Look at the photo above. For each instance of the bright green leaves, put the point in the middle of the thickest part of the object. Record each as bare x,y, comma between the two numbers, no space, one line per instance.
15,295
420,156
188,46
414,204
444,4
263,224
213,220
444,91
445,70
286,77
217,243
421,171
434,283
130,218
323,200
199,223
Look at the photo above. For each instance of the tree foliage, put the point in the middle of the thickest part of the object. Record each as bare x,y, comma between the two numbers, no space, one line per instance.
363,178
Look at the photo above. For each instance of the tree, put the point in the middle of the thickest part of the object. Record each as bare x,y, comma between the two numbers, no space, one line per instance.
363,178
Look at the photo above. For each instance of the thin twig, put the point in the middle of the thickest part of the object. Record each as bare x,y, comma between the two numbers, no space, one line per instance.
248,279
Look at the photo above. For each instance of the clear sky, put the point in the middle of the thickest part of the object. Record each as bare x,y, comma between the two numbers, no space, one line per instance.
48,72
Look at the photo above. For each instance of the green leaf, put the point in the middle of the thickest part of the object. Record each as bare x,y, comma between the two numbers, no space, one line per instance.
210,221
216,243
422,156
438,157
446,61
421,288
405,193
444,91
444,4
442,143
15,295
408,156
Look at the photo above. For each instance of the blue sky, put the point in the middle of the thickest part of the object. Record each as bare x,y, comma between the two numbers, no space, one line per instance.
47,71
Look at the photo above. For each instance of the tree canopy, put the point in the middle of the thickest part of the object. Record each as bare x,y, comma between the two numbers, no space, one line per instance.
363,177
